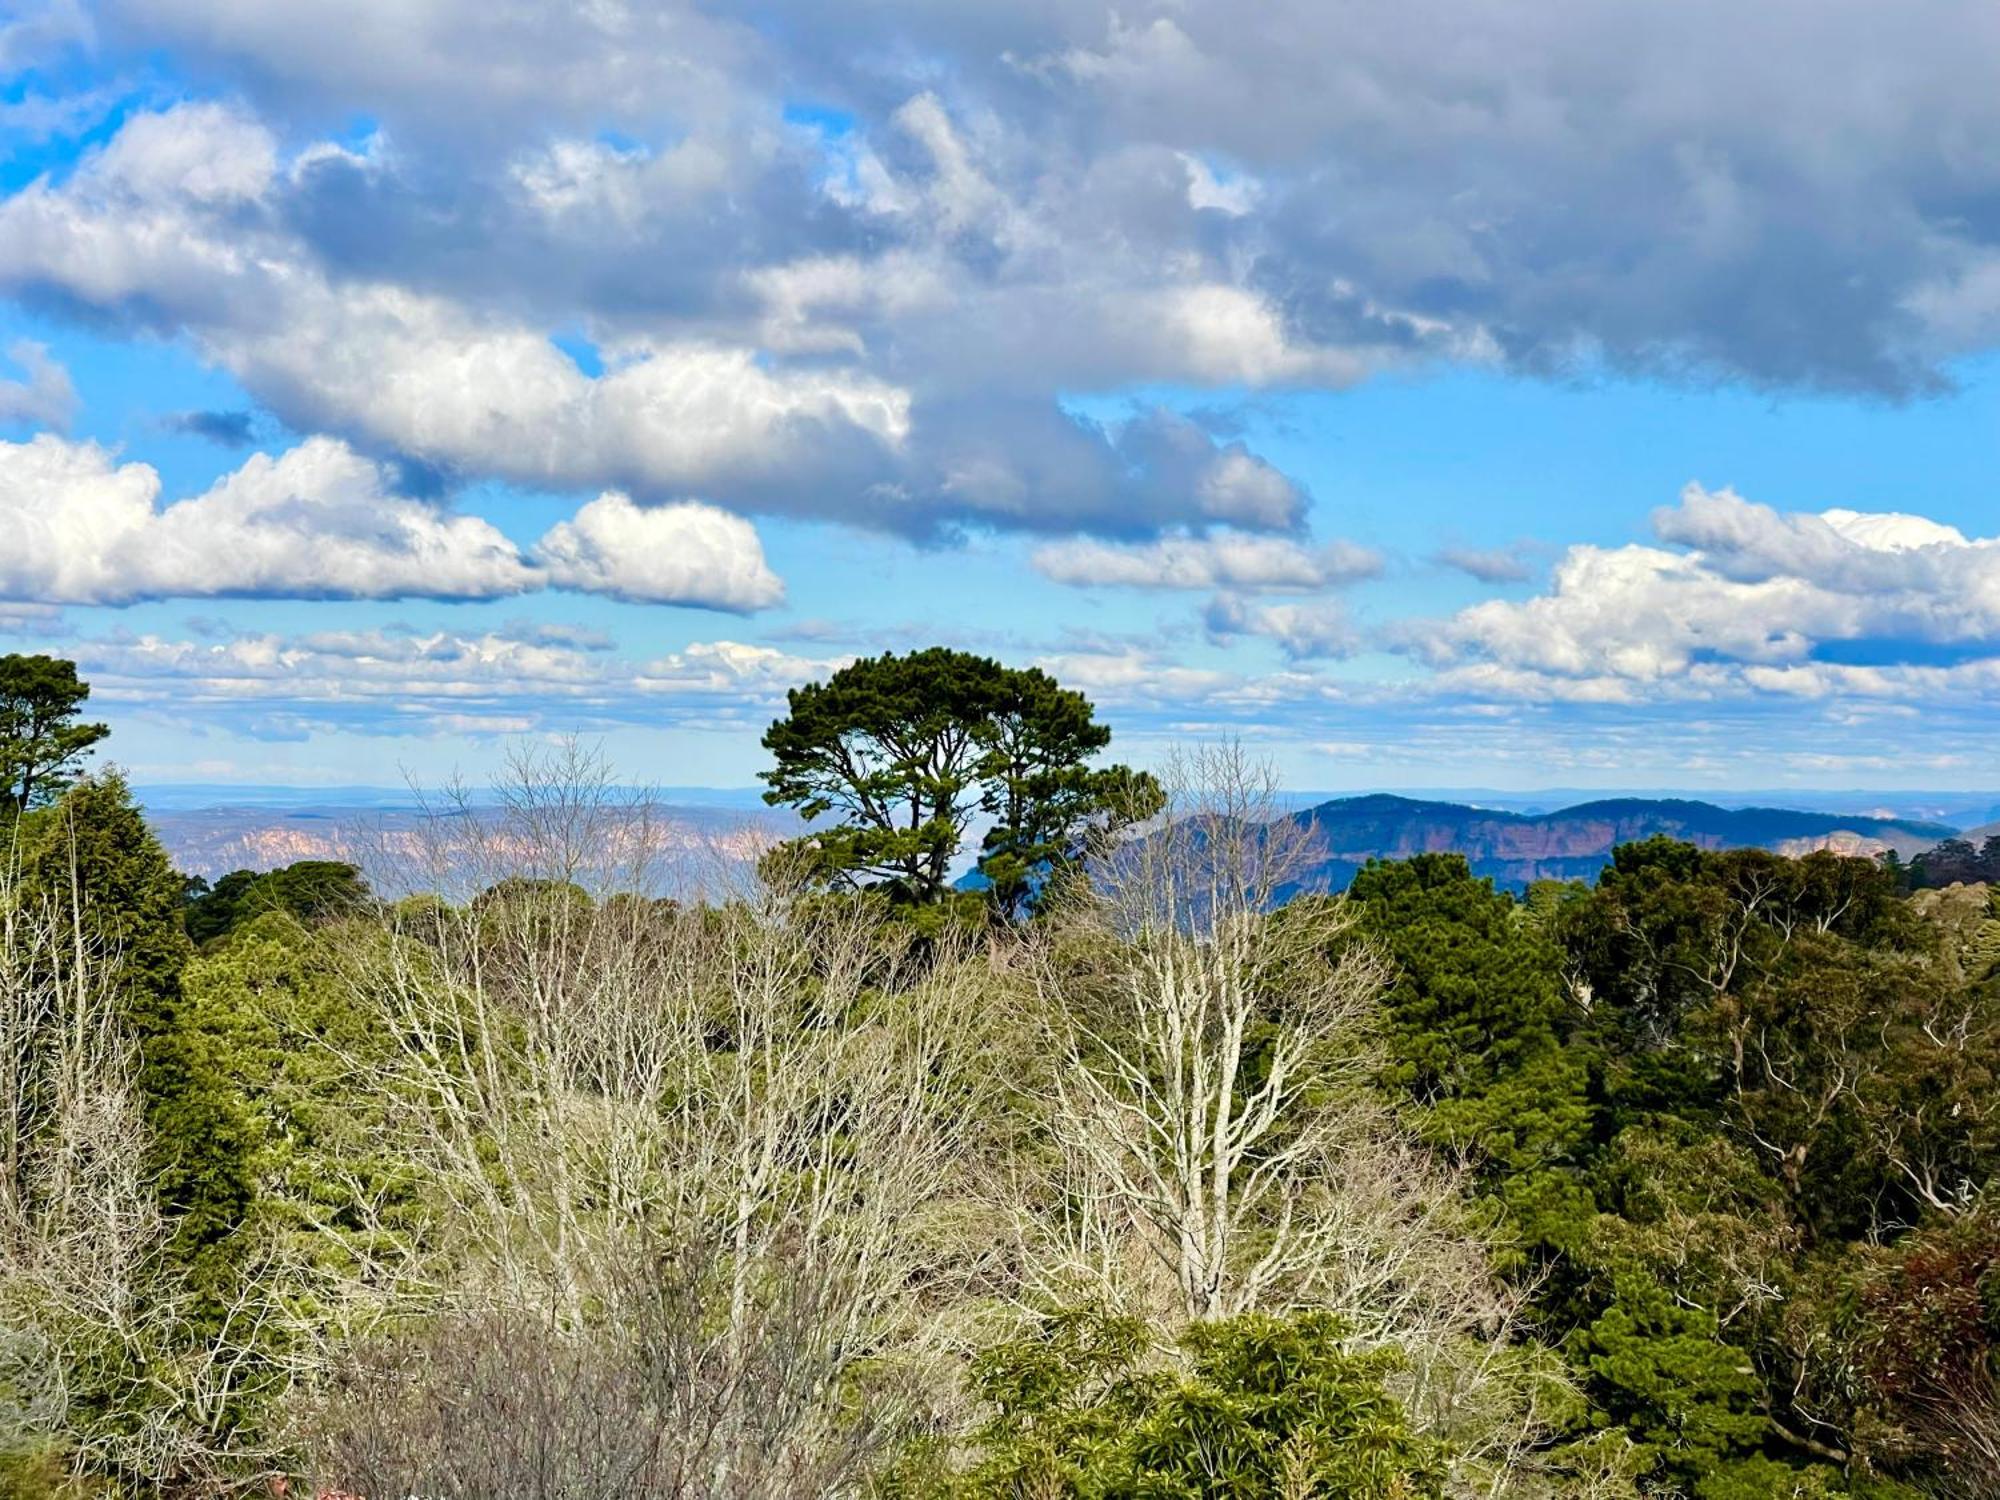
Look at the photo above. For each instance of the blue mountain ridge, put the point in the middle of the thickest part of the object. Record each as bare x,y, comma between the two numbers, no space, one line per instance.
1574,843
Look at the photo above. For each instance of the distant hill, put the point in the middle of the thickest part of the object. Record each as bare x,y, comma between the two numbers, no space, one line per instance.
1576,842
212,840
1513,848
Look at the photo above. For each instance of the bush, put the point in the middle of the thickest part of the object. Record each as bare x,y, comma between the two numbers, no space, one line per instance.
1253,1406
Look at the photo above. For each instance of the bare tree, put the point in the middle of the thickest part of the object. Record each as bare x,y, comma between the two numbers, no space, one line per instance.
111,1365
1212,1044
775,1097
1219,1144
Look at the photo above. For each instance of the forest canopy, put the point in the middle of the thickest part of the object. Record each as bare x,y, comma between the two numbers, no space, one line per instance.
1158,1173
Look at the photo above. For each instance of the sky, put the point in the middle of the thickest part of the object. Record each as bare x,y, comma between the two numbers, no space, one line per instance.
1513,394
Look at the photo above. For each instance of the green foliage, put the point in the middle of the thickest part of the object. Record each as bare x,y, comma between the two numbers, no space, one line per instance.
93,857
1739,1116
311,890
37,1473
41,740
1043,797
289,1040
1951,862
90,862
1683,1393
1701,1093
1254,1406
1980,958
1475,1021
905,750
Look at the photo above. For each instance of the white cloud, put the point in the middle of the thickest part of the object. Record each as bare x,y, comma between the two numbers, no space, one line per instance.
334,667
40,27
152,223
1238,487
1222,334
670,554
43,396
1134,676
1161,192
1840,603
199,153
121,235
317,522
397,682
1638,612
1318,628
418,374
568,178
449,66
1219,560
321,521
1908,574
756,390
1489,564
37,116
762,673
1234,195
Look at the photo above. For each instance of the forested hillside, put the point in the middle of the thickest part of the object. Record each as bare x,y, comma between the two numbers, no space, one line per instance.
1150,1168
1516,849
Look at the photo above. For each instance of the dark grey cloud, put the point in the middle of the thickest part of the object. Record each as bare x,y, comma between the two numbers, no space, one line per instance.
970,213
1793,192
227,429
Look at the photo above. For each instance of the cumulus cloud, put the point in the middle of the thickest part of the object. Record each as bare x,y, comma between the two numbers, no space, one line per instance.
1916,575
667,554
190,221
38,28
168,225
874,320
452,68
878,317
317,522
1217,560
322,521
1745,599
1638,612
199,153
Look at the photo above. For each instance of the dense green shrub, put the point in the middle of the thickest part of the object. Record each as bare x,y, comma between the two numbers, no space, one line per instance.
1245,1408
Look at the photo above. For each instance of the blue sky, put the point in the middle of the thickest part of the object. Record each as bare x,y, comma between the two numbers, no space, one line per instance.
1526,396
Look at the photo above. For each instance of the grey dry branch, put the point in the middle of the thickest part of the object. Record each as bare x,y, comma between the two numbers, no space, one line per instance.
774,1099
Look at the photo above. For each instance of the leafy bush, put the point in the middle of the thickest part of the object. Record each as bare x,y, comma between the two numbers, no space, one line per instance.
1253,1406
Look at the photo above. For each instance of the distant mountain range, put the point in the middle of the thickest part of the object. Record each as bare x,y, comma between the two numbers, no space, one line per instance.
1576,842
213,840
1514,848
